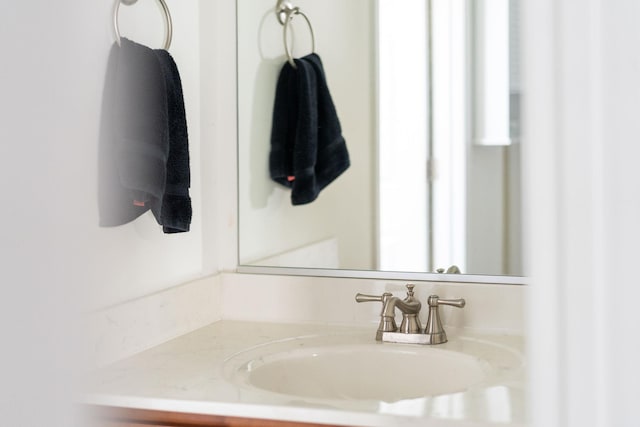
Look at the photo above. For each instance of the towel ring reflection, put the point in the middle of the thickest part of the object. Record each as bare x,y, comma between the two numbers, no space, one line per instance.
167,19
289,14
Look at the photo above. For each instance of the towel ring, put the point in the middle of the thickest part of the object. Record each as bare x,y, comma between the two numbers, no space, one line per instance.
289,17
167,19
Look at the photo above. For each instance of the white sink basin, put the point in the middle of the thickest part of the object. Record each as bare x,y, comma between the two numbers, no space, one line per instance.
357,368
370,372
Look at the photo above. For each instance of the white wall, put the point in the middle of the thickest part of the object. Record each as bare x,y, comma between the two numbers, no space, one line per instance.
60,122
581,155
138,259
56,261
269,223
113,265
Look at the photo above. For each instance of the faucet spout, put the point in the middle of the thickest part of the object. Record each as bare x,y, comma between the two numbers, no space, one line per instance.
406,307
410,308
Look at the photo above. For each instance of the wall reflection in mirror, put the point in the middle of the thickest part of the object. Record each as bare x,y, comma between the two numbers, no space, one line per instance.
428,99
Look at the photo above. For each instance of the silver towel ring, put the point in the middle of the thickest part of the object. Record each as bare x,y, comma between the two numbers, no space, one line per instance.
167,19
289,17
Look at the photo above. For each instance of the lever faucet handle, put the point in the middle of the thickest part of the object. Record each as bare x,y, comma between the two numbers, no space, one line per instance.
434,328
372,298
386,323
435,301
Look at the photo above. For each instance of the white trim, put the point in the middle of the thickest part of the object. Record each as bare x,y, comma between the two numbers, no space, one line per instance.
383,275
580,98
540,202
597,185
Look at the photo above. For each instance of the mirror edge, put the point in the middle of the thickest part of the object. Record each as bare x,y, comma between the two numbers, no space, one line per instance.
384,275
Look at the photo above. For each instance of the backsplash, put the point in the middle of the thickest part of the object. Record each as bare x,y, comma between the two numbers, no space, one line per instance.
120,331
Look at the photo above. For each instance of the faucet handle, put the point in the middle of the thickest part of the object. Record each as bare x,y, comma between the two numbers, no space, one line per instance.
435,301
387,323
434,329
372,298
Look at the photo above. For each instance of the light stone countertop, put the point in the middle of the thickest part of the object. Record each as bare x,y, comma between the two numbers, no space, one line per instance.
191,374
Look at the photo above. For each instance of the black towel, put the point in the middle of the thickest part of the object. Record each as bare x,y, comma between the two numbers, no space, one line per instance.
175,213
144,161
308,151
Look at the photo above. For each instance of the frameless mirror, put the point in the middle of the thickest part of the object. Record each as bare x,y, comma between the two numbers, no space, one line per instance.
428,100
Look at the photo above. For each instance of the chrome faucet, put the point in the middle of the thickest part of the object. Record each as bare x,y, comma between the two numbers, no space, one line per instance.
410,330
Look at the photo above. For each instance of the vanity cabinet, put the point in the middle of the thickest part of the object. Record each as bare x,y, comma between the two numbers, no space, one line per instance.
107,416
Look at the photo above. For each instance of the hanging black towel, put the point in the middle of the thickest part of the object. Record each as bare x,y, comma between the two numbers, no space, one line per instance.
143,153
308,151
175,213
134,134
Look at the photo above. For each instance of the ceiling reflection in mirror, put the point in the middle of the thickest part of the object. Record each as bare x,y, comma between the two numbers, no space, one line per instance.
427,97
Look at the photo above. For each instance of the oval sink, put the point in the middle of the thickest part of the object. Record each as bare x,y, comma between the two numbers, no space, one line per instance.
354,369
370,372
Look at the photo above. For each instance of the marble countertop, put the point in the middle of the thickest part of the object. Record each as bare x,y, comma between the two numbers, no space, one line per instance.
187,374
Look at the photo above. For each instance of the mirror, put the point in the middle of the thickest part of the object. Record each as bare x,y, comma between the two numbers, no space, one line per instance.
428,100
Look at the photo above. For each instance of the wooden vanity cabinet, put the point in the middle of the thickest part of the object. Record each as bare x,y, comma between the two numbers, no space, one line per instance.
108,416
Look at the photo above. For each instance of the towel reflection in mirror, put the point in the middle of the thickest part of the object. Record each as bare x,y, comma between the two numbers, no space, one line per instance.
308,150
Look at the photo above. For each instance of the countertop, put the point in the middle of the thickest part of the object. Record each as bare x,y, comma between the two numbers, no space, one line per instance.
187,374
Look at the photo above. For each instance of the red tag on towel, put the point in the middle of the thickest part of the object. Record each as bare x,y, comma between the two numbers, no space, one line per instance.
291,178
138,203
